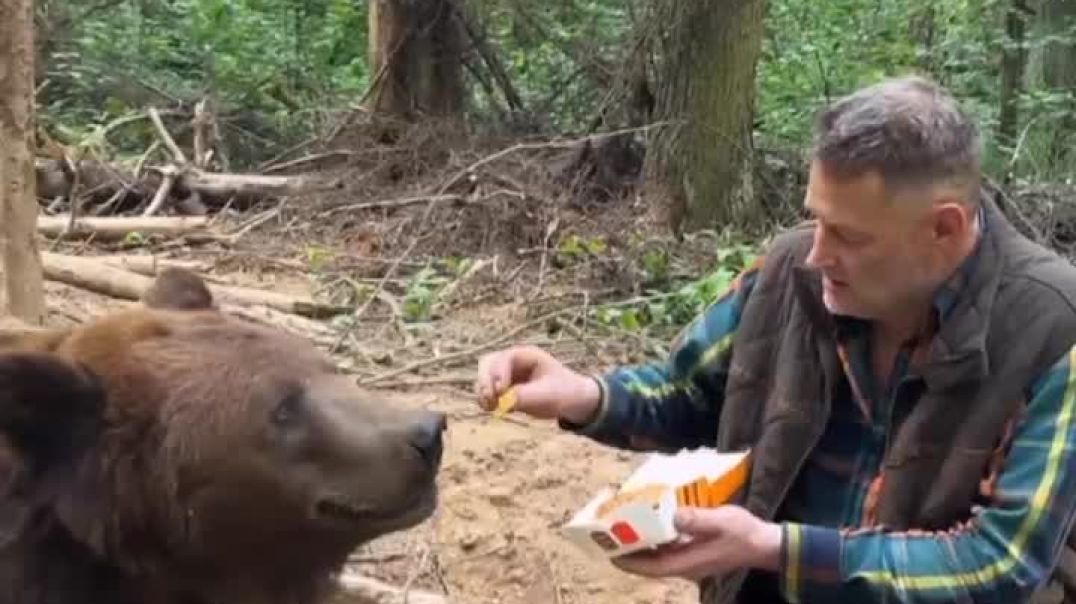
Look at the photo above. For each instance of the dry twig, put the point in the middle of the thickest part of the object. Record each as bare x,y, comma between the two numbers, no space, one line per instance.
463,354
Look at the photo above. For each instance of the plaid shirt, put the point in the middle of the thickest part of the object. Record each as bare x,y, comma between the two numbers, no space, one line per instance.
831,553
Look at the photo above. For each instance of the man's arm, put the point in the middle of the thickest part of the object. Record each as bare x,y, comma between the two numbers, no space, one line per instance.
1001,555
675,403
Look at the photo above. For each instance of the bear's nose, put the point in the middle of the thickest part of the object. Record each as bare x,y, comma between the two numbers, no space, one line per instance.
426,437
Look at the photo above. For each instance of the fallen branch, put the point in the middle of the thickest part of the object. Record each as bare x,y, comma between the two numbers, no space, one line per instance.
112,228
150,265
165,137
202,125
221,186
388,203
446,293
104,182
464,354
436,380
169,175
93,275
373,591
98,276
570,143
319,333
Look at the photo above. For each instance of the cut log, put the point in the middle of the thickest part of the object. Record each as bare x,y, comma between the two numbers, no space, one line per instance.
149,265
94,275
221,186
359,589
318,333
118,227
103,182
97,275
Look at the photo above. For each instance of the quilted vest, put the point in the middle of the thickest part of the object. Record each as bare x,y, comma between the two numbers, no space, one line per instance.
1016,317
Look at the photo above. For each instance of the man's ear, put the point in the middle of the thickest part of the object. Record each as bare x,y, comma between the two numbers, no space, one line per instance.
178,289
50,414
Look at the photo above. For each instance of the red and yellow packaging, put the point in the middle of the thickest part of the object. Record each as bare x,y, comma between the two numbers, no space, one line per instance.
639,514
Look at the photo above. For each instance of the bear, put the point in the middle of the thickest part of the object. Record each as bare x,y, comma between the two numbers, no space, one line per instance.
170,453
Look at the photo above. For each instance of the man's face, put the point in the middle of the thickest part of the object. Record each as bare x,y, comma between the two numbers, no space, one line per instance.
879,255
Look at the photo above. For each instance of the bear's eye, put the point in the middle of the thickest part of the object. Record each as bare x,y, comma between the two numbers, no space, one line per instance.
289,410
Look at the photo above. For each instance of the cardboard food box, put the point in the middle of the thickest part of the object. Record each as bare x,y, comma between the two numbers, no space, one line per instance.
640,513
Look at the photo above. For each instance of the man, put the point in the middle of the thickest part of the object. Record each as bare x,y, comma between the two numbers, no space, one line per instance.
900,367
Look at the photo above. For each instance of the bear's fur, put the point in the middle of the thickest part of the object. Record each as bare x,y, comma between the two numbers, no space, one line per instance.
172,454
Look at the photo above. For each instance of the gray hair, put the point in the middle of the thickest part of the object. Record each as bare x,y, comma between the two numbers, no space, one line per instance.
908,128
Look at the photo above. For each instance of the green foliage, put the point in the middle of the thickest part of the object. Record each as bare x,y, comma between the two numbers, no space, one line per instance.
426,287
278,66
816,51
272,64
683,302
573,249
421,292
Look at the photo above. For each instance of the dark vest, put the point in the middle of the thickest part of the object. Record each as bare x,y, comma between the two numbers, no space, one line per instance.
1016,318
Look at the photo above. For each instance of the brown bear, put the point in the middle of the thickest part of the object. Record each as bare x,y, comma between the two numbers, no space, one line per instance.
172,454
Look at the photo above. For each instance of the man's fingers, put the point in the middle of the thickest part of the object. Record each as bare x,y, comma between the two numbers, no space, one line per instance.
702,522
681,561
491,374
531,397
499,371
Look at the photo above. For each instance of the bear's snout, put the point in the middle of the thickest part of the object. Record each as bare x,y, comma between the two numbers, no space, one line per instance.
427,439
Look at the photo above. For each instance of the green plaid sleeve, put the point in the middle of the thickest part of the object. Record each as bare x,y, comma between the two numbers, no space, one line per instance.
674,403
1002,554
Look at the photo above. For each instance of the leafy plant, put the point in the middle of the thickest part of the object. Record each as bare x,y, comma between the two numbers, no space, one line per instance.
421,293
677,307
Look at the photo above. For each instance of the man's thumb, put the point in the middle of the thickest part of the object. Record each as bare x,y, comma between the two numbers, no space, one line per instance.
697,521
528,396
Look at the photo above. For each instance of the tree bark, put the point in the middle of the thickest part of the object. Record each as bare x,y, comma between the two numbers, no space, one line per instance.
1058,18
118,227
118,187
97,275
415,48
21,289
1056,70
706,89
1013,67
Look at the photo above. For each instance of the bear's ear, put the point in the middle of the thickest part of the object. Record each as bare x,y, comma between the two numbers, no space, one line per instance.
178,289
50,408
51,411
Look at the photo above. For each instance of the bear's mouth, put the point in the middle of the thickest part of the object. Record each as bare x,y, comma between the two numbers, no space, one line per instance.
340,509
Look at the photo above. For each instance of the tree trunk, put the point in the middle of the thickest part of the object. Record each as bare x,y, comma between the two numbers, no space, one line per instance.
21,290
1013,67
1057,18
415,49
1056,70
706,89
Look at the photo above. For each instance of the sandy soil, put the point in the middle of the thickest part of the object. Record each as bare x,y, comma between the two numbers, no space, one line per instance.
507,486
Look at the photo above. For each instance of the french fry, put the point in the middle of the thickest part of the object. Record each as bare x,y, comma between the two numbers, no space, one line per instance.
505,403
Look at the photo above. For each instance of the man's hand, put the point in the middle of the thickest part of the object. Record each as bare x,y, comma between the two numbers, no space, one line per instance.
545,387
713,541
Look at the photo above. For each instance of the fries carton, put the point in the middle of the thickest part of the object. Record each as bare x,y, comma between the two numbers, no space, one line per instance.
640,513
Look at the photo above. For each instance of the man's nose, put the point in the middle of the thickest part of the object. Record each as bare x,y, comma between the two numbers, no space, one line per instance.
819,256
426,436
